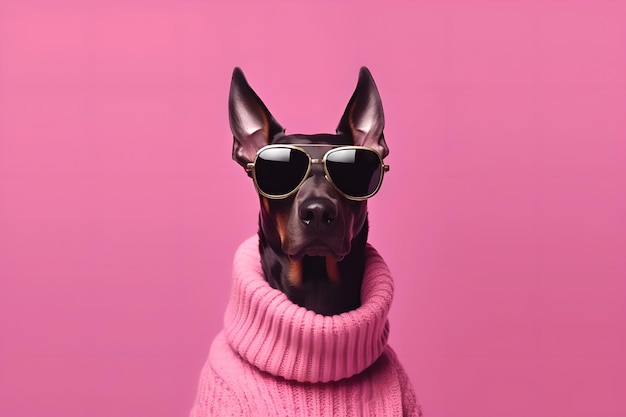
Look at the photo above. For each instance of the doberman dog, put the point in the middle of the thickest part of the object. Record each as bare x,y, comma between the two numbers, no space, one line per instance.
313,192
306,328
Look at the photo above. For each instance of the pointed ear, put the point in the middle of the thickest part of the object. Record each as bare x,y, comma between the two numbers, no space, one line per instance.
251,123
363,118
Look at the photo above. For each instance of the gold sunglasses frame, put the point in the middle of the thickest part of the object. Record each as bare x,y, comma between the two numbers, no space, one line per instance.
250,168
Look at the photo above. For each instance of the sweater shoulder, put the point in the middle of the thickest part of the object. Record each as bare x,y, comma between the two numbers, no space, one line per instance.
410,405
218,394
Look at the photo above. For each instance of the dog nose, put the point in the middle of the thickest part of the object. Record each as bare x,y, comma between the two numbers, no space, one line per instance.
318,212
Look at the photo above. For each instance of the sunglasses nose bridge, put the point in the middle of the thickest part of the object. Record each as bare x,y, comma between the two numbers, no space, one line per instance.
318,177
317,183
316,167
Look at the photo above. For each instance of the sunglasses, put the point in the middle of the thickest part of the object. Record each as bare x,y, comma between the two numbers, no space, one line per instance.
356,172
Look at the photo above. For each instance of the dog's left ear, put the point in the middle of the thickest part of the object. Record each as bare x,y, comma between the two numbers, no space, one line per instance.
363,117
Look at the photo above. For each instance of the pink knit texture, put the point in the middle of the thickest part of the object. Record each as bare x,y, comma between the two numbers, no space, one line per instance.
277,358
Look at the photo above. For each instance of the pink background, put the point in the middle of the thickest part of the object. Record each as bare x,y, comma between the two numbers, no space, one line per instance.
503,217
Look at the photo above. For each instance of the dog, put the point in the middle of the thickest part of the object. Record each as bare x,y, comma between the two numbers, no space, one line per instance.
313,237
306,329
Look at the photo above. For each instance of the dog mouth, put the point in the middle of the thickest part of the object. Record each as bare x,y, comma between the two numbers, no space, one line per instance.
316,248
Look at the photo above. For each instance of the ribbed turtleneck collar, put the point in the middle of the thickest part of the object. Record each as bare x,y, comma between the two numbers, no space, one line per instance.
289,341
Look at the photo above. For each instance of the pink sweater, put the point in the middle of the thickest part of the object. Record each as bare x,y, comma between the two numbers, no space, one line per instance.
275,358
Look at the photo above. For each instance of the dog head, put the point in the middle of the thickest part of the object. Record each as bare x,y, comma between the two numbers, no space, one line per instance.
316,219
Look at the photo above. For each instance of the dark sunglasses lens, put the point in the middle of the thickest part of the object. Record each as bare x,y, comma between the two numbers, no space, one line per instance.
278,171
356,172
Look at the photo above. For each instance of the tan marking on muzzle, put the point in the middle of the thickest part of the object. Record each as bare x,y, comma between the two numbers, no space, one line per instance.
281,226
332,269
295,272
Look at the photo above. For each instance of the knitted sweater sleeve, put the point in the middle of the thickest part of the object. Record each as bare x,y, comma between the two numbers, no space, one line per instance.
410,405
215,397
216,400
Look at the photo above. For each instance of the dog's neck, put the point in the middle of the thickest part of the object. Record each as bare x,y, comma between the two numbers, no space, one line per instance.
317,283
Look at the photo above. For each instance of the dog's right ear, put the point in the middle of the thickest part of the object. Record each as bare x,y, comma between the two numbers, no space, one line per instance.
251,123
